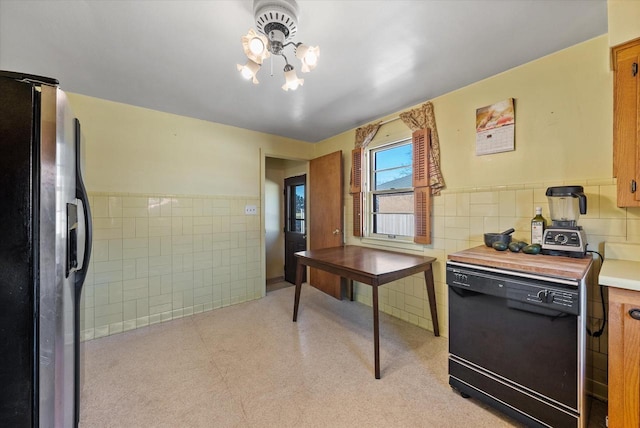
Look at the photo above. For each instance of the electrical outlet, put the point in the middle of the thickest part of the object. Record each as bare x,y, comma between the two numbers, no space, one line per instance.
250,210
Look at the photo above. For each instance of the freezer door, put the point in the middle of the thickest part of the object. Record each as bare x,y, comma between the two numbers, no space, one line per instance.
18,360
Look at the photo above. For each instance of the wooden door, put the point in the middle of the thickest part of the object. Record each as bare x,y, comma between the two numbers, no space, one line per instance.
626,125
326,215
624,358
295,228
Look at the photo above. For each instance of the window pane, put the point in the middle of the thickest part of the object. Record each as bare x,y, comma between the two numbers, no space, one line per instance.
393,203
393,224
295,208
393,179
391,171
300,202
394,157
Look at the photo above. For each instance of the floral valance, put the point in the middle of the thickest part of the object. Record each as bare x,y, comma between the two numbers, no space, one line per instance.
420,118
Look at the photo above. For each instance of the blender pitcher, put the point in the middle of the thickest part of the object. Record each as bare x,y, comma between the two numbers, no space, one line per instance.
566,203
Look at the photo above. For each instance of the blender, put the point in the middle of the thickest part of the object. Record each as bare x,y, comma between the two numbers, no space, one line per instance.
564,237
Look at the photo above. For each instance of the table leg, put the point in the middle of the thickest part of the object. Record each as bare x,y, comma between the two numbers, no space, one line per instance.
350,289
376,332
299,271
431,292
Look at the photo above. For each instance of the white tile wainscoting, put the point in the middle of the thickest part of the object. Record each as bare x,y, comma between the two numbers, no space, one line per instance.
161,257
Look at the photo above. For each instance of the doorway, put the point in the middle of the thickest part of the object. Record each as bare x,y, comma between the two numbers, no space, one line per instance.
326,219
295,224
276,171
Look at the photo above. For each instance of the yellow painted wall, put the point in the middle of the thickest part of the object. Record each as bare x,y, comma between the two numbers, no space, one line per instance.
294,168
563,122
274,218
136,150
624,20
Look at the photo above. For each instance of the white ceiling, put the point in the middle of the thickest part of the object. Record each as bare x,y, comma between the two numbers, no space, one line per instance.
377,57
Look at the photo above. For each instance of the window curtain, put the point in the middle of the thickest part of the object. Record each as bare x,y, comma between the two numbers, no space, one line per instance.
364,136
421,118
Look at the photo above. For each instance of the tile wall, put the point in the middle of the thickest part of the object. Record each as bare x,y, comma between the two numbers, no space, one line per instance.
462,216
161,257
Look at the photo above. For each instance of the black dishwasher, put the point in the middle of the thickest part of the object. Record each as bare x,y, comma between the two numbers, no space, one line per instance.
517,343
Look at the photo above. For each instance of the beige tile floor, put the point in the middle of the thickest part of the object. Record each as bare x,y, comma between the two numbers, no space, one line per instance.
249,365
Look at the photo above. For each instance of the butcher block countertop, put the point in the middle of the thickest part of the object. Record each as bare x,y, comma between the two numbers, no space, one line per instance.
557,266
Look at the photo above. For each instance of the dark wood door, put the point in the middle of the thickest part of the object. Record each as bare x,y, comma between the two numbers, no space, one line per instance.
295,228
326,215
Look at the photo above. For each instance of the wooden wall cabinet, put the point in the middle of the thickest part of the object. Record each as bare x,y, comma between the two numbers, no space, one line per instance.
626,123
624,358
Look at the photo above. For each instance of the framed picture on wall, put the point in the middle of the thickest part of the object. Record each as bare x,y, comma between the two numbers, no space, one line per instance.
495,128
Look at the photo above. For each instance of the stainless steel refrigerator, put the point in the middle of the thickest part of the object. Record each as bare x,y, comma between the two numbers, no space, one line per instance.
45,245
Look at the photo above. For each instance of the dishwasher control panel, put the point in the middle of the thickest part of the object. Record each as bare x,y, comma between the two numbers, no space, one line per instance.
519,290
554,296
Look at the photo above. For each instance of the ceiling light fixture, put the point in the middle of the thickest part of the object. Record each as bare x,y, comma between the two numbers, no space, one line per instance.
277,23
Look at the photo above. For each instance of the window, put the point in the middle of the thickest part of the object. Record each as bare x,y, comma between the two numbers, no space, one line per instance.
296,205
377,203
391,196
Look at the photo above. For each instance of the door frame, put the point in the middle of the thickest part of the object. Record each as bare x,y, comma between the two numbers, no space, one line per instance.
263,249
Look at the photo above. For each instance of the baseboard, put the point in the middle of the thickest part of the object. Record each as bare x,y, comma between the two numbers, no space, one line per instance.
275,280
597,390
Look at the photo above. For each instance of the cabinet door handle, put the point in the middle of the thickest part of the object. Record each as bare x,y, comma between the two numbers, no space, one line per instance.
633,186
635,313
634,69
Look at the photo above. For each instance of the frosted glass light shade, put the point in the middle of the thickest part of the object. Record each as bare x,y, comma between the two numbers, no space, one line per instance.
309,57
291,81
255,46
249,70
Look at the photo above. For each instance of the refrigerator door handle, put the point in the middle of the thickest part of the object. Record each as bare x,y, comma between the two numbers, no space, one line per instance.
81,194
72,239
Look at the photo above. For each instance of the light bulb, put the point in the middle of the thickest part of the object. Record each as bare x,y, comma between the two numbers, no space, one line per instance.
308,55
246,73
256,46
311,58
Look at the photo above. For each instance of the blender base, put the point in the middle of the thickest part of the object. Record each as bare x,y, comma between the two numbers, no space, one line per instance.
573,254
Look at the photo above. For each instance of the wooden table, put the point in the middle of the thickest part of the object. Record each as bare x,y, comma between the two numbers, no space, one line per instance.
368,266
